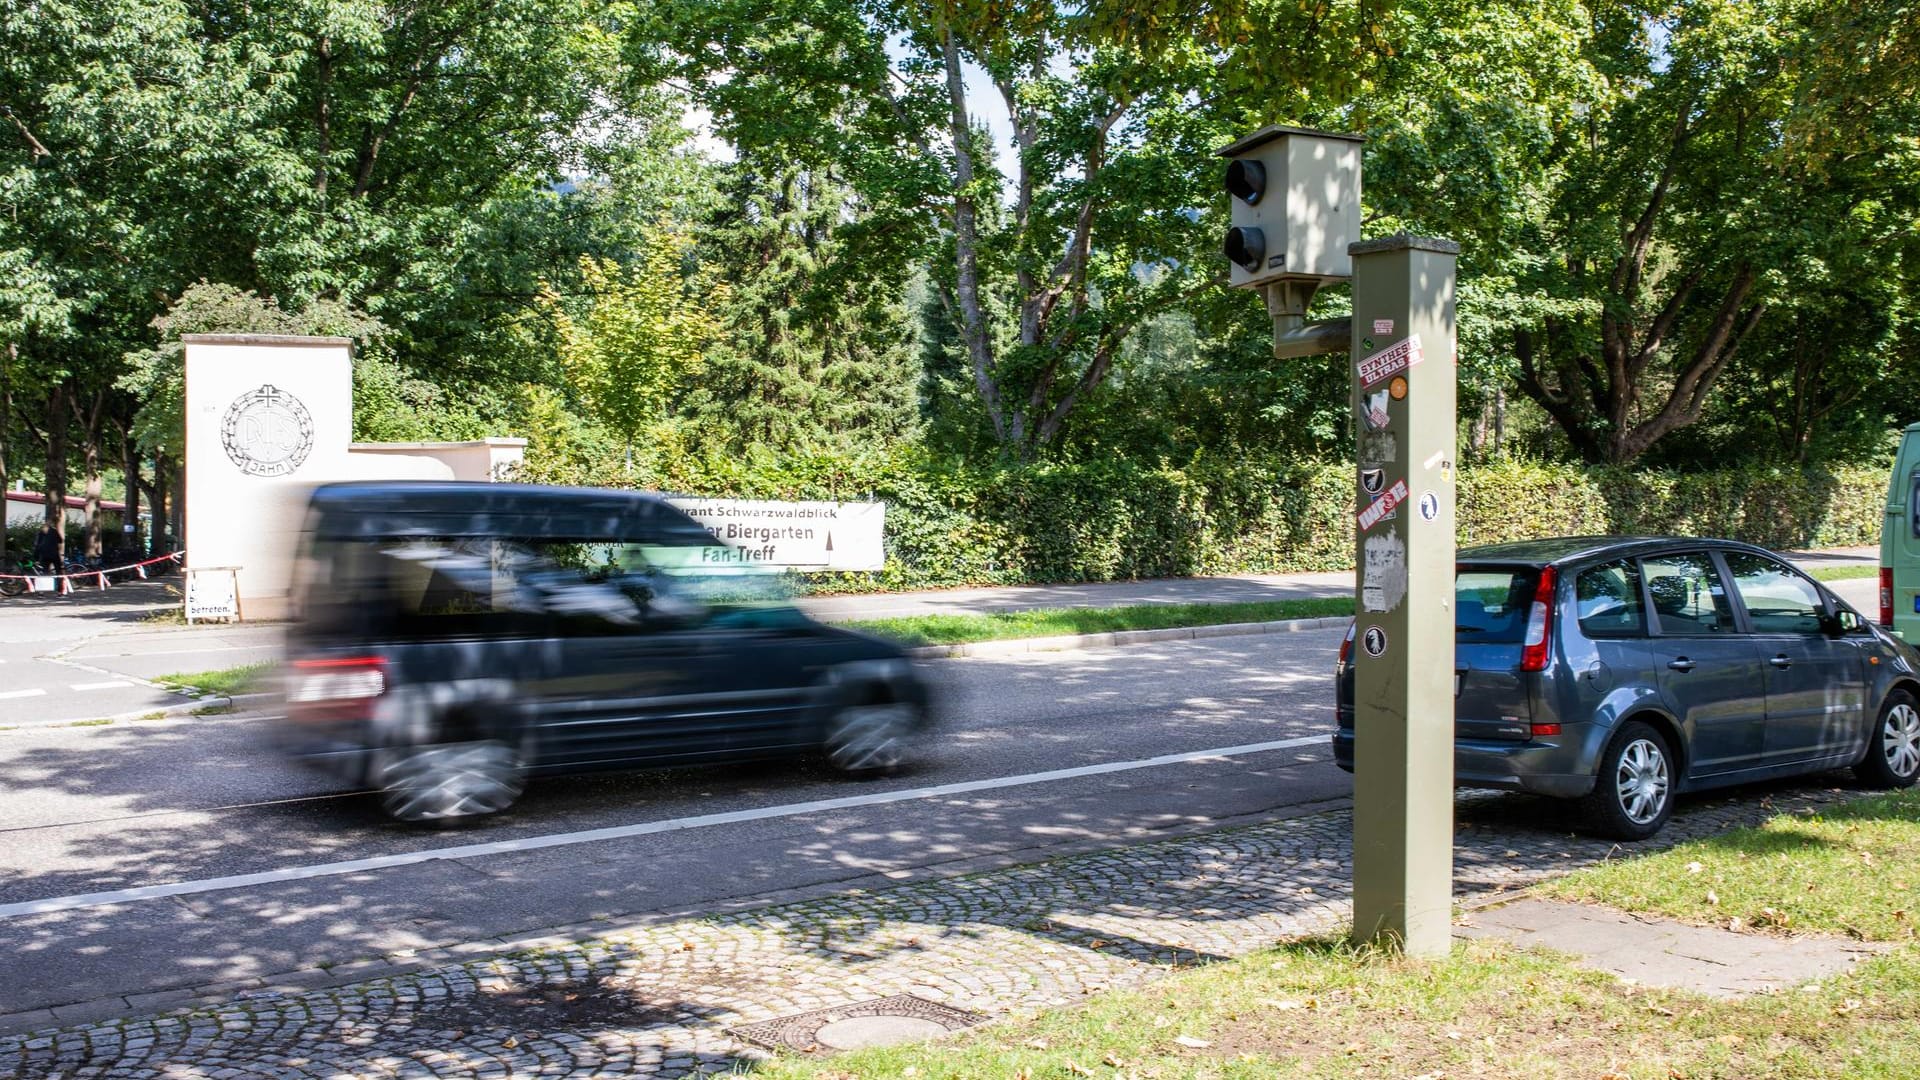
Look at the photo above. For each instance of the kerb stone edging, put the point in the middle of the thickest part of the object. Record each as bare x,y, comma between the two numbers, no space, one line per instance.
1071,642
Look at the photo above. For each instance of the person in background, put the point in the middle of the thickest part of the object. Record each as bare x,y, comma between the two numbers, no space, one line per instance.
46,548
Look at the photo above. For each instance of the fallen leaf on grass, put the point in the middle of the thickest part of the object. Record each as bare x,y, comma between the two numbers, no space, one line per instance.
1694,867
1846,1006
1660,1009
1191,1043
1713,898
1078,1069
1036,1044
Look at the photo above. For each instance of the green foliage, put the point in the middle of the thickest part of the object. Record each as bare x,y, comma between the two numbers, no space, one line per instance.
639,337
816,347
952,523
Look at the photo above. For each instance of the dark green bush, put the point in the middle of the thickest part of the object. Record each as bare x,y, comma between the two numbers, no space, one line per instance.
957,523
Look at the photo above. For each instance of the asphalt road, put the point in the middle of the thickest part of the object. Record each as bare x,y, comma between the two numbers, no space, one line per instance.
103,809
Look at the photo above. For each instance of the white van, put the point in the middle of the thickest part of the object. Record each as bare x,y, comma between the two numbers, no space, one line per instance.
1900,542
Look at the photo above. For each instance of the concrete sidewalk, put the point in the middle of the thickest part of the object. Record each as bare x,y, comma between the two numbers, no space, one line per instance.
697,995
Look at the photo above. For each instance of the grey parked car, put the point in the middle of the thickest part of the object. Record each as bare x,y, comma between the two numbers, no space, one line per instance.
1621,671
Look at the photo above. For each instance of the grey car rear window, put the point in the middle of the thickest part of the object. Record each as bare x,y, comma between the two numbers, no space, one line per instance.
1491,602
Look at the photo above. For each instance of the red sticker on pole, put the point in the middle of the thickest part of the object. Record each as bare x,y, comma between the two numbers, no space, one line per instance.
1390,361
1382,506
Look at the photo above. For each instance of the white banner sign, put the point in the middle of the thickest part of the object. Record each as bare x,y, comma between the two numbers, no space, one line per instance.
795,535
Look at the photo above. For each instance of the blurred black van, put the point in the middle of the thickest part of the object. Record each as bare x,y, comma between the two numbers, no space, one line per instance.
452,640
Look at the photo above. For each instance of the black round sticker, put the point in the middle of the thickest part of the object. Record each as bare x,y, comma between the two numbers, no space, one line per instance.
1374,641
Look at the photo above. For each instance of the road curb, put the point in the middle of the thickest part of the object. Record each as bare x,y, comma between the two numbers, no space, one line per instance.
1074,642
162,712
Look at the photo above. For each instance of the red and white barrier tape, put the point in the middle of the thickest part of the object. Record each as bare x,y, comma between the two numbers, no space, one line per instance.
64,582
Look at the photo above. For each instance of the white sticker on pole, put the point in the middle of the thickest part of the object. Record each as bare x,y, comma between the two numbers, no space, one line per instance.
1383,327
1389,361
1382,506
794,535
1383,582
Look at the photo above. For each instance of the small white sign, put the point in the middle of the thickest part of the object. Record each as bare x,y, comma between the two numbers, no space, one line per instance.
795,535
1383,326
211,593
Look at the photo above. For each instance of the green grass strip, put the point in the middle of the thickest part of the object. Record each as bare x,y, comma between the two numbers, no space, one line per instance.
1844,573
224,681
1852,869
1051,622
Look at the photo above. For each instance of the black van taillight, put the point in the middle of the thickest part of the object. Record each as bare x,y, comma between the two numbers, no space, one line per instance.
338,686
1538,646
1346,644
1886,597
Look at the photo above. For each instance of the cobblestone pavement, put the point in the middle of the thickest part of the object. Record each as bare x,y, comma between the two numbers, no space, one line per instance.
656,1001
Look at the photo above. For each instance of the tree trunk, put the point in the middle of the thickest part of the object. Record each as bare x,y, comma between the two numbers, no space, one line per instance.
6,425
157,537
56,493
89,419
130,470
178,510
973,319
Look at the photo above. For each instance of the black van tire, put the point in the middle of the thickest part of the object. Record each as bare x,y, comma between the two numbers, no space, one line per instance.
1892,759
445,783
1624,803
869,739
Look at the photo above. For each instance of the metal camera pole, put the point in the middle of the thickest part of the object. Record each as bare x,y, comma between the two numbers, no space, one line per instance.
1295,227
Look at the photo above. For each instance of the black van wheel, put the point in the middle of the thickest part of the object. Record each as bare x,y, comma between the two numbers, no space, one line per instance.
1633,796
446,782
869,740
1893,748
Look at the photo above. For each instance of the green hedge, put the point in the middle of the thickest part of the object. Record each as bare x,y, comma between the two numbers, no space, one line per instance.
956,523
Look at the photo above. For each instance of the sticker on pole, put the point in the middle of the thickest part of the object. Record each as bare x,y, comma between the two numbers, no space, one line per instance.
1383,582
1373,481
1429,505
1383,326
1373,410
1390,361
1382,506
1374,641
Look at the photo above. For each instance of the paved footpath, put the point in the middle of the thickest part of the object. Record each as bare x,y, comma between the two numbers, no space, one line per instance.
659,1000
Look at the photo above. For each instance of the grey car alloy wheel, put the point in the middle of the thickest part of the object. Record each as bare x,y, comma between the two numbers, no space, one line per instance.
449,781
863,739
1642,781
1900,739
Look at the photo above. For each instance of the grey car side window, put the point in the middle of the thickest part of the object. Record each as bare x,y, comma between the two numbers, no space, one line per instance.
1687,595
1607,599
1778,600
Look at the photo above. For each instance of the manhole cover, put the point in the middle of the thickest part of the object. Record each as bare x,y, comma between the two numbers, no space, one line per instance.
880,1022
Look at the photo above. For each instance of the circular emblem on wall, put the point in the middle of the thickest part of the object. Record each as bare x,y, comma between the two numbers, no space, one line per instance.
267,432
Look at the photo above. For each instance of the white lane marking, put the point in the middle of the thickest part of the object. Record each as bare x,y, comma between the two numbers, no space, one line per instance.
172,652
99,685
21,693
621,832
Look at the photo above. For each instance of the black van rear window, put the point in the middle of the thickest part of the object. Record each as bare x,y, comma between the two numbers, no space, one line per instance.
1491,603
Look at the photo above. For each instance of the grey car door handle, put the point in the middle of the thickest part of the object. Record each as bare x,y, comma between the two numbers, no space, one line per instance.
1782,661
1682,664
